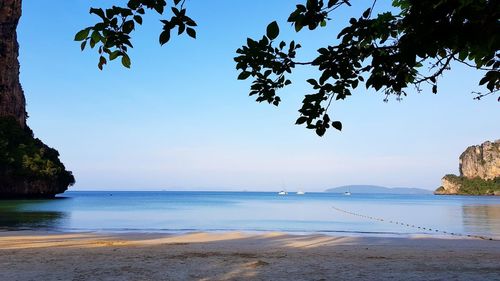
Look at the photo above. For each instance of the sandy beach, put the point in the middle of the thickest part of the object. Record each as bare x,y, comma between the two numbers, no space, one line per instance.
37,256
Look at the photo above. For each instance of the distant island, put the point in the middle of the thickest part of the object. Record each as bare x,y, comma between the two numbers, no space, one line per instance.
377,189
479,167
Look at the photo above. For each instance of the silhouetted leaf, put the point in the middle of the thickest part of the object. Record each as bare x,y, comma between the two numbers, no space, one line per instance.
102,61
114,55
337,125
301,120
273,30
138,19
82,34
164,37
320,131
98,12
191,32
366,13
126,61
244,75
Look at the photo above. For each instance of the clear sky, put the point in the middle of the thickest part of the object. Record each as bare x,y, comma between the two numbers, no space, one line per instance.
179,119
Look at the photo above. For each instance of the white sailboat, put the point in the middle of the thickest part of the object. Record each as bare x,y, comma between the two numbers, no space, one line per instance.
348,192
283,192
300,192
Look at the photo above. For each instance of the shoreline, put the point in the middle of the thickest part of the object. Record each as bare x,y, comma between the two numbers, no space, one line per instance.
177,232
36,255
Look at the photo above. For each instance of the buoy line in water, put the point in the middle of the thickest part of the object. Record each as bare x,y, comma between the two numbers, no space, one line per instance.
414,226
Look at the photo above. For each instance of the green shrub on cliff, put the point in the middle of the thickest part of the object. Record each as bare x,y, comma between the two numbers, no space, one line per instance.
475,186
25,157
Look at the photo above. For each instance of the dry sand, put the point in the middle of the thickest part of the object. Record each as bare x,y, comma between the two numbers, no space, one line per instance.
237,256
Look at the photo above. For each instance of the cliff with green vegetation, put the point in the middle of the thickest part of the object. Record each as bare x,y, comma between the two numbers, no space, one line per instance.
479,172
28,167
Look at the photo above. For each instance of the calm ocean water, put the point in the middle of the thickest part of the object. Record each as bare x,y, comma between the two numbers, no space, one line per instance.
254,211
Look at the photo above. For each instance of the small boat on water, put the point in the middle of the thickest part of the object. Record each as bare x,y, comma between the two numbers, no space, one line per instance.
347,193
283,192
300,192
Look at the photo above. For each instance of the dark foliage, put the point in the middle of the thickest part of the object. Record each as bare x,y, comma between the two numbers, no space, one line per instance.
387,52
24,157
112,33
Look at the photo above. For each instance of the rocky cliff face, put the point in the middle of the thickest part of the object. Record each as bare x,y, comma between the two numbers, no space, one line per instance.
481,161
13,187
28,168
448,186
479,167
12,102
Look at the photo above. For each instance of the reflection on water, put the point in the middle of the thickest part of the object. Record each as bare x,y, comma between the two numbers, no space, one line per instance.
254,211
478,219
29,214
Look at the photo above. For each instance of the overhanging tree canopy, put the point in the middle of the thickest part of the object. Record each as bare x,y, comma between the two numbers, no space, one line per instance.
386,52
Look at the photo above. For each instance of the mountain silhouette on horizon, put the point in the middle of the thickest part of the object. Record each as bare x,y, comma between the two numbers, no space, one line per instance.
378,189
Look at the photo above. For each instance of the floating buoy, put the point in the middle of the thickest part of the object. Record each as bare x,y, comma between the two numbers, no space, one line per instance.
408,225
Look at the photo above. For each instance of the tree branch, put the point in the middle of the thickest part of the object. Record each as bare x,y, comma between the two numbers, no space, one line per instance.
440,71
470,65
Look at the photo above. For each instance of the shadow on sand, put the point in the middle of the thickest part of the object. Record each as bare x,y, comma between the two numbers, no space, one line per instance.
236,256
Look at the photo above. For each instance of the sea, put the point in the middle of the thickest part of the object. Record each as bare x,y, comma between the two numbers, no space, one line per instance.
311,213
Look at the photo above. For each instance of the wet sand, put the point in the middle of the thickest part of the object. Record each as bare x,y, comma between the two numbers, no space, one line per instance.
26,255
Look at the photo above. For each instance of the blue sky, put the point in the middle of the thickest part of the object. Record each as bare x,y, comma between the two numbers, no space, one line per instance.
179,119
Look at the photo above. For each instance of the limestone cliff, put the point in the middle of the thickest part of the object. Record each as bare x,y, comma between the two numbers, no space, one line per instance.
12,102
479,168
28,167
481,161
449,185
